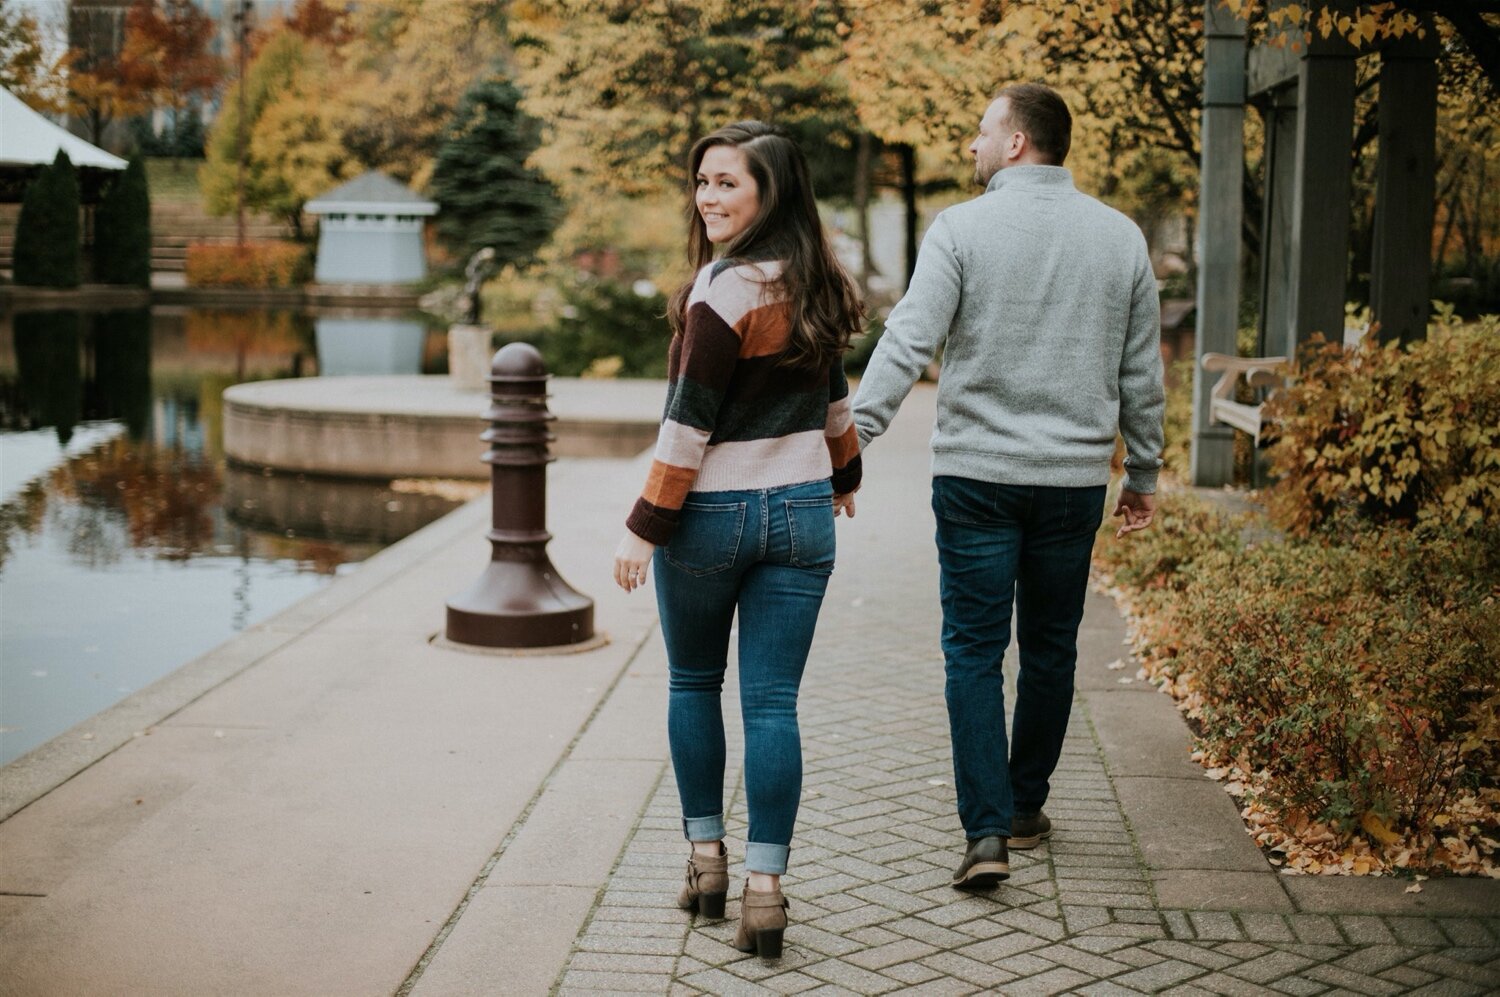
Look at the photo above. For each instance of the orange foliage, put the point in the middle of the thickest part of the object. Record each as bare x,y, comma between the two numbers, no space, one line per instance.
255,264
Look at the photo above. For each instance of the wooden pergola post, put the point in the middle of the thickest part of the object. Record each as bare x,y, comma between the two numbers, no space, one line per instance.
1321,191
1405,188
1220,216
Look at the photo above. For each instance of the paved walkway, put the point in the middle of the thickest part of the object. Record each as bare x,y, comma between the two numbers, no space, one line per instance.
339,807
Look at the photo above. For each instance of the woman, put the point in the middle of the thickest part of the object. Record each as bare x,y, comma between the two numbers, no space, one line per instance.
757,455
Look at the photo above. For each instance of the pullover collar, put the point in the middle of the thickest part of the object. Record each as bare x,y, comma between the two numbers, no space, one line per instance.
1032,177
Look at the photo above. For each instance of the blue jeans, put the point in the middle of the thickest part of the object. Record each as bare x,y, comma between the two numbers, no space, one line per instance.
1001,546
768,553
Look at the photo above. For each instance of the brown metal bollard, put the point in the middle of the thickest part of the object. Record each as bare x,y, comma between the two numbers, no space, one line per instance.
520,601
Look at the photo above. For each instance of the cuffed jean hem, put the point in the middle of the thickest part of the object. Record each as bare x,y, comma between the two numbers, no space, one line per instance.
976,835
703,828
769,859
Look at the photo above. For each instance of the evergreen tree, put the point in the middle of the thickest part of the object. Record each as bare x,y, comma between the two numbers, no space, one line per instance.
489,196
48,250
122,230
188,136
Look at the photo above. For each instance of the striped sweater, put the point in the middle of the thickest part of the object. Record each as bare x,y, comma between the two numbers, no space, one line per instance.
735,420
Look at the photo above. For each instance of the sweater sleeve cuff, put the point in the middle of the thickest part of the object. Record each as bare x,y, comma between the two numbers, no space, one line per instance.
652,524
847,478
1141,481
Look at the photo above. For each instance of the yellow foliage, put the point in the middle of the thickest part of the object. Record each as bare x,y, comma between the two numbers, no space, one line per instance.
625,96
1401,434
402,74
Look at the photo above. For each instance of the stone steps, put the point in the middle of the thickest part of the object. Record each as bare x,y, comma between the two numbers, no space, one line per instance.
174,225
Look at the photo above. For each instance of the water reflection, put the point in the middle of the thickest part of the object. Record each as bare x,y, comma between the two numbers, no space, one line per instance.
127,547
51,385
330,508
365,345
120,381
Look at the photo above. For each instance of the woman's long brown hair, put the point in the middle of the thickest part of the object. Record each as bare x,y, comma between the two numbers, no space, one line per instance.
825,307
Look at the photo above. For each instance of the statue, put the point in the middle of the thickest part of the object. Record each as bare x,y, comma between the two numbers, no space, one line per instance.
480,266
469,343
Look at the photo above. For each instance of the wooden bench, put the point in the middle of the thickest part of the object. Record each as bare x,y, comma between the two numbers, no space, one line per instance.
1258,372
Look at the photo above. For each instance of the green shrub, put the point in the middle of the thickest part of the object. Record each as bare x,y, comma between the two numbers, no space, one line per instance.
603,319
48,249
1394,435
255,264
122,230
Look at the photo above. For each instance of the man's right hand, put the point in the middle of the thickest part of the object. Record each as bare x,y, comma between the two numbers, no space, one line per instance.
1137,509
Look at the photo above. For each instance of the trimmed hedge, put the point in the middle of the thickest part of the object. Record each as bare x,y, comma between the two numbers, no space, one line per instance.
49,249
255,264
122,230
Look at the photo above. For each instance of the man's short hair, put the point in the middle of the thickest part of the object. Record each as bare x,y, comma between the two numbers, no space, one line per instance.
1037,111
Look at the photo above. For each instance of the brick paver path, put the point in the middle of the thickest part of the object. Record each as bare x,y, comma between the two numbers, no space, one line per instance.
877,836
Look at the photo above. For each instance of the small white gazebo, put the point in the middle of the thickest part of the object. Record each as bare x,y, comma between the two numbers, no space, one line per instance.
371,232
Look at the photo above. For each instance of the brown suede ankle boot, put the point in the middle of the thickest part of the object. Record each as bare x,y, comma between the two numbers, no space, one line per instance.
706,884
762,921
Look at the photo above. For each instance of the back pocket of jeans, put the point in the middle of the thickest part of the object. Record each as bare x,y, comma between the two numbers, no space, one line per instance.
707,537
809,521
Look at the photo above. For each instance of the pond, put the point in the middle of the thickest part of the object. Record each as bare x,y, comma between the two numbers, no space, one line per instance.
128,546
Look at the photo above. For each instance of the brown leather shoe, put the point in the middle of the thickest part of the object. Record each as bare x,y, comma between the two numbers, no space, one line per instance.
1029,831
985,864
706,884
762,922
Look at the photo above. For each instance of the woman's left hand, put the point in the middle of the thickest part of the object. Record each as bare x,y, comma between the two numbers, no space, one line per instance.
631,559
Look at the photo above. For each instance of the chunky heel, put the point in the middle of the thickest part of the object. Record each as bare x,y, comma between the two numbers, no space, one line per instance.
768,944
706,884
762,921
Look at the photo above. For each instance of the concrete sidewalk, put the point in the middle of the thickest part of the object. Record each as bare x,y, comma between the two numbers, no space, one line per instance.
332,805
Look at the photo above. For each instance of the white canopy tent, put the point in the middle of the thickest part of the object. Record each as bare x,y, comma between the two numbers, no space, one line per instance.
28,139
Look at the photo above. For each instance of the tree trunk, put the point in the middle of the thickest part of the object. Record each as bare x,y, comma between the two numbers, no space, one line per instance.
909,199
862,208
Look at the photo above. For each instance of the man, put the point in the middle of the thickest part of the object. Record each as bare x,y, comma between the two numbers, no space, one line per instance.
1045,306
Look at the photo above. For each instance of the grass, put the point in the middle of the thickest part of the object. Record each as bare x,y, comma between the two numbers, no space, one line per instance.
172,179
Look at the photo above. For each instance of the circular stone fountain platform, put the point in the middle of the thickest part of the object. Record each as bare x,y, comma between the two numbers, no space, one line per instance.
420,426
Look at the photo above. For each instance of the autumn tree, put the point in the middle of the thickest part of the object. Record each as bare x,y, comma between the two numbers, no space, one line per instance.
295,148
401,75
627,89
920,76
25,69
320,22
99,90
166,57
489,196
